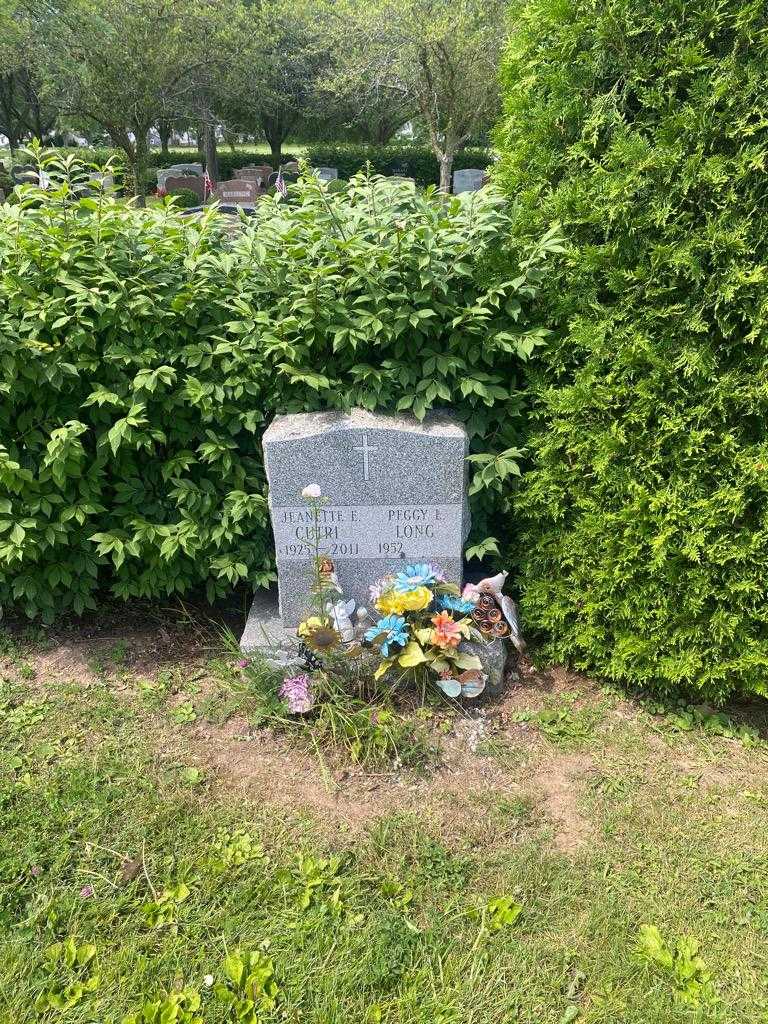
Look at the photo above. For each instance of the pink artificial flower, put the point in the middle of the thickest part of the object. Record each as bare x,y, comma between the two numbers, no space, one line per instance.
243,663
380,587
470,592
87,891
296,691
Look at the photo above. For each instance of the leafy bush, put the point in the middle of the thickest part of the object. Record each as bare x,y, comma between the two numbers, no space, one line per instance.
640,127
141,355
185,198
417,162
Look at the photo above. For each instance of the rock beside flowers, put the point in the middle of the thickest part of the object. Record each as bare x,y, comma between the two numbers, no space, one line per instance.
493,655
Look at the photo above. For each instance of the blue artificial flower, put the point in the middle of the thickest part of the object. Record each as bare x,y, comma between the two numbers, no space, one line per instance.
394,629
419,575
451,603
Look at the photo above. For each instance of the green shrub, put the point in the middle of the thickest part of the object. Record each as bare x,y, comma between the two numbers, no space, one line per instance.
641,127
141,355
185,198
417,162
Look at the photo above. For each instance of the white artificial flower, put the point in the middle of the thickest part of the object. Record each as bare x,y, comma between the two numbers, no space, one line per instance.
311,491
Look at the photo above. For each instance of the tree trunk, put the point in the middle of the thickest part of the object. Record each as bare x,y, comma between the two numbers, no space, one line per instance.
446,167
164,129
274,133
210,152
139,168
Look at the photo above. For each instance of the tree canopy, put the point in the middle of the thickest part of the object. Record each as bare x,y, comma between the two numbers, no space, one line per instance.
438,57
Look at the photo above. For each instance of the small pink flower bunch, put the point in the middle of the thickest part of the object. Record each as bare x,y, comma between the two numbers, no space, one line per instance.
296,691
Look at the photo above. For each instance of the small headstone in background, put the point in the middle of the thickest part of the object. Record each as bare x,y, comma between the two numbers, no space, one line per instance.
327,173
468,179
105,181
178,171
396,494
259,173
237,192
193,184
24,174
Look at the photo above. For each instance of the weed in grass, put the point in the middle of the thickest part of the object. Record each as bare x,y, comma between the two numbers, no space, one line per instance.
72,976
368,734
436,864
153,691
163,911
500,912
249,989
232,850
169,1008
118,653
191,776
612,787
680,716
679,962
562,722
183,714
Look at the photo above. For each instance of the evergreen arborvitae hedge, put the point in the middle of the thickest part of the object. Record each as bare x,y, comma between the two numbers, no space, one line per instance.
643,127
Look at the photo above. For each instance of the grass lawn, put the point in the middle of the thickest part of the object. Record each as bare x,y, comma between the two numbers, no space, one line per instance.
148,811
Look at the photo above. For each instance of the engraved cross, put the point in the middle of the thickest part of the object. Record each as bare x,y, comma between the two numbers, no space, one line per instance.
365,448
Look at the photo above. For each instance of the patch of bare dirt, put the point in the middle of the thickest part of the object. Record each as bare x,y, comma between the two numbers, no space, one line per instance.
560,782
486,758
457,796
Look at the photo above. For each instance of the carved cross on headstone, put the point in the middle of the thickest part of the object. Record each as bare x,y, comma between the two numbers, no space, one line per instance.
365,448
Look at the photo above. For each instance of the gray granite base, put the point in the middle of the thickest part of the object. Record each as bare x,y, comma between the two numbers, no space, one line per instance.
264,633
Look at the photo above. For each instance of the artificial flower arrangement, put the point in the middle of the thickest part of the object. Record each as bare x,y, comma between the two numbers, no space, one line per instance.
423,622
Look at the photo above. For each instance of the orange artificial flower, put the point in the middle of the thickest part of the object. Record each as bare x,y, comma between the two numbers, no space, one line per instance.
446,633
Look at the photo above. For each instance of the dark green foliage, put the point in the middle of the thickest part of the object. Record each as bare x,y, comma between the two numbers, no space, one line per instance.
185,198
417,162
142,353
641,126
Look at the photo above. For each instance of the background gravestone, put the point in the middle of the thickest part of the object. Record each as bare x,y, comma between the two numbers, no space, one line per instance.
469,179
191,184
327,173
396,491
178,171
259,173
238,192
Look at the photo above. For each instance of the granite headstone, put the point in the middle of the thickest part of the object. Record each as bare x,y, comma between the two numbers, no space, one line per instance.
238,192
468,179
186,184
178,171
396,494
327,173
259,173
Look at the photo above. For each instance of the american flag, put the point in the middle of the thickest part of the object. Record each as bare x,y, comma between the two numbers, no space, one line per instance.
208,185
280,185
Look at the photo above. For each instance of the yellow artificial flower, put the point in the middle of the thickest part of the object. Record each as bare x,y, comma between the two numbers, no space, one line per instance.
309,626
393,603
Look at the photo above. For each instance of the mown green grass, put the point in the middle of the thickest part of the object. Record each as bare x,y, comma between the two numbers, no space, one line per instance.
398,930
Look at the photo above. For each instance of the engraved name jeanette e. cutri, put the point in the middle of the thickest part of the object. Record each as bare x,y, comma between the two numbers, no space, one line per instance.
356,531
